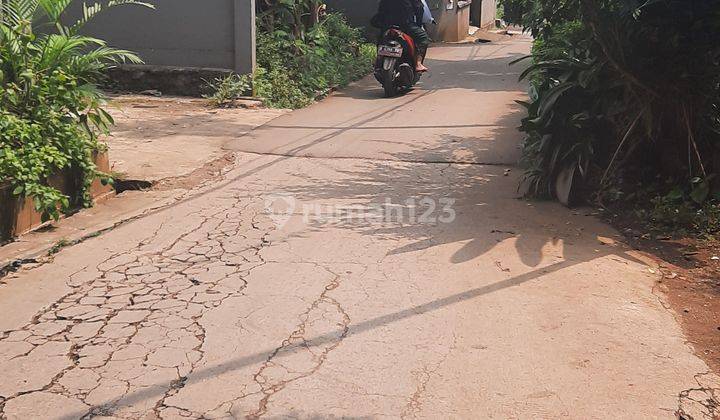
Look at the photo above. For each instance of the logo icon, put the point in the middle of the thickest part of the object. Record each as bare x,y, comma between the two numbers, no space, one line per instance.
280,207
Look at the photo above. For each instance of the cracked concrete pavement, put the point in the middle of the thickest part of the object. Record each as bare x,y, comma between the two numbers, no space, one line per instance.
351,298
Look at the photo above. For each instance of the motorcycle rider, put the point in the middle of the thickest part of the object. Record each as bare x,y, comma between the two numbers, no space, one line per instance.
408,16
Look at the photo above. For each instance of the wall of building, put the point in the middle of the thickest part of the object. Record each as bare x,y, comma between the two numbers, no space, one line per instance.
453,20
483,13
183,33
488,13
358,12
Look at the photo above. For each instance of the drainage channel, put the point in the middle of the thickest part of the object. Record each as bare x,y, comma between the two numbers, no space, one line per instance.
122,185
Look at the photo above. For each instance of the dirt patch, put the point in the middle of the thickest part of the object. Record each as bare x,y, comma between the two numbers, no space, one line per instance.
690,282
173,142
159,148
208,172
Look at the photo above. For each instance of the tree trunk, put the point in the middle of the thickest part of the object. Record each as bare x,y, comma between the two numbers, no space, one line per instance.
314,13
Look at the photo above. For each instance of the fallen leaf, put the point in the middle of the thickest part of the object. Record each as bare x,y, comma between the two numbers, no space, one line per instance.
606,241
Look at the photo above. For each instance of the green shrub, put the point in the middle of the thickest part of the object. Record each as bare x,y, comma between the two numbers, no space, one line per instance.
675,215
623,91
292,72
280,90
292,16
297,64
227,89
50,109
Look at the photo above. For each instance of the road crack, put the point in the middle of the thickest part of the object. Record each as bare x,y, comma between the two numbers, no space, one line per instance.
134,319
275,374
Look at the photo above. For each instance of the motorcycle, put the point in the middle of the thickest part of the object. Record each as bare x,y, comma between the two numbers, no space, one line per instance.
395,65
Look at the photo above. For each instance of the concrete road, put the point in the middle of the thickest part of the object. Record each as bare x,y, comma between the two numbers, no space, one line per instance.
368,258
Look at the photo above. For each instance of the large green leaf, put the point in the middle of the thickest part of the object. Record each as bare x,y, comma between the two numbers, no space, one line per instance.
548,100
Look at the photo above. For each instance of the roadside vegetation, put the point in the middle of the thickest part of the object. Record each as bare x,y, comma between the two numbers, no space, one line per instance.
51,111
625,102
302,54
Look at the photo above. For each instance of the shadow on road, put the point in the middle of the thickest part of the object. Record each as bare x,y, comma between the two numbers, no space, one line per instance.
488,212
354,329
484,198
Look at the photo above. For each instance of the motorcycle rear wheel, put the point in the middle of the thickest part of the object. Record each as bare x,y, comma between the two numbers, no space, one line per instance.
389,83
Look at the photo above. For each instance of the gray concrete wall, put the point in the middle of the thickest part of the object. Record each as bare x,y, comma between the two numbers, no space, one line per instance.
483,13
358,13
488,13
183,33
453,20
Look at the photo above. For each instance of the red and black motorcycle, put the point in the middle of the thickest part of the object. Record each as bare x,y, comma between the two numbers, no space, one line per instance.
395,65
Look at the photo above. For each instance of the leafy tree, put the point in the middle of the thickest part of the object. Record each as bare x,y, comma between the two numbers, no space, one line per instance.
293,16
51,111
623,89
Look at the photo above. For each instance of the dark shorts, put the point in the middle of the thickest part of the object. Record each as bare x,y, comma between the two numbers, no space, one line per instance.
418,33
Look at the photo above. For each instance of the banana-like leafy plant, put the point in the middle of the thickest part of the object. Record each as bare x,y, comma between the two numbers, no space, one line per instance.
51,111
295,17
623,88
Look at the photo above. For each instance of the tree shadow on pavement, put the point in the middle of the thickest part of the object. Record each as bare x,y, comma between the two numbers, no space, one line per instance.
488,212
488,207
